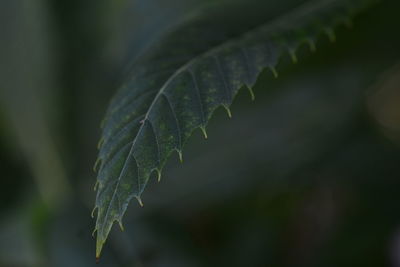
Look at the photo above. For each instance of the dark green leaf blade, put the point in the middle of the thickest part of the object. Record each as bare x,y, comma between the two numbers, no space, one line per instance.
177,85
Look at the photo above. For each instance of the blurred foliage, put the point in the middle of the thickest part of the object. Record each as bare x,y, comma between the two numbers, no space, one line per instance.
303,176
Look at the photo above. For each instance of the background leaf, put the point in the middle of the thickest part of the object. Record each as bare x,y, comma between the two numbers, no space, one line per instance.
25,102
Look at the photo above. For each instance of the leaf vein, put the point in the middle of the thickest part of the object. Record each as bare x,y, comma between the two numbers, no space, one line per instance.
178,129
223,78
156,139
198,96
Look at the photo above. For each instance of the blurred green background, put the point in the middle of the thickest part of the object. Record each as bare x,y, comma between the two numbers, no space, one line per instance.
306,175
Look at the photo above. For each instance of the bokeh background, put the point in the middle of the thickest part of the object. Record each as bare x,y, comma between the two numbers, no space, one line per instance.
306,175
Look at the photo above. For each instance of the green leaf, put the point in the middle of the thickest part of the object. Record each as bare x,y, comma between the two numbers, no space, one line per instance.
175,86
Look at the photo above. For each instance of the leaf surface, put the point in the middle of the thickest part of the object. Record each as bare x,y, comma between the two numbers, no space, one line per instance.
175,86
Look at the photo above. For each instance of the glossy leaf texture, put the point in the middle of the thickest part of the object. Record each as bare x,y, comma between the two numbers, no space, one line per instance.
198,66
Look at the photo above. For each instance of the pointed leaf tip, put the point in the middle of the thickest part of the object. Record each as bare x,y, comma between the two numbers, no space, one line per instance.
99,246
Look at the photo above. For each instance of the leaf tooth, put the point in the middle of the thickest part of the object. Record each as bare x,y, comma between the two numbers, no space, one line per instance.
94,231
103,122
203,130
180,155
139,200
274,71
158,174
226,107
100,143
121,226
93,211
311,45
96,164
253,97
96,185
331,34
293,56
